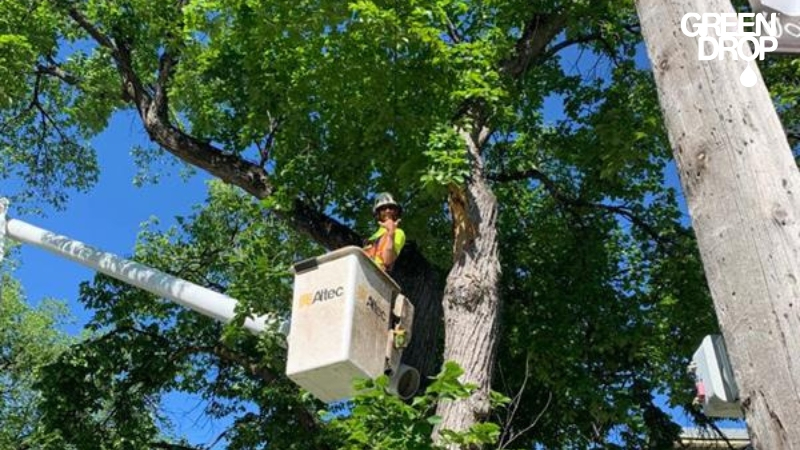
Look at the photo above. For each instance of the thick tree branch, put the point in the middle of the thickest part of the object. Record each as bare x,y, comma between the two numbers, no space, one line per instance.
166,63
169,446
324,229
539,30
251,367
231,168
95,32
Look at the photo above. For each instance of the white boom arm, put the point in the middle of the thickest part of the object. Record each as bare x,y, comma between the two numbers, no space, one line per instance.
205,301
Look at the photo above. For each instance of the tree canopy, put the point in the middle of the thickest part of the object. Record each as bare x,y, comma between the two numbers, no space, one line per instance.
310,108
29,340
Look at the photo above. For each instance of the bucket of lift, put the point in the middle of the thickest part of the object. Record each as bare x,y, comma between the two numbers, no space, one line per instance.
349,321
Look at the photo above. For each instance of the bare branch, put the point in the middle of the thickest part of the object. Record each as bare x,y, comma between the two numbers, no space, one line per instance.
452,31
570,42
264,151
53,69
531,425
583,39
565,199
46,118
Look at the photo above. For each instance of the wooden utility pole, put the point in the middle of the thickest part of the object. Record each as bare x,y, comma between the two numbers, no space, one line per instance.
742,187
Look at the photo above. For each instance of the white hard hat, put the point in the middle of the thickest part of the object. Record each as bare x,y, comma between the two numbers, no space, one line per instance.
385,199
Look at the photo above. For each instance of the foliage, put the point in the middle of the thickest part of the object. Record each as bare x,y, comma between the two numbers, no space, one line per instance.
29,339
381,421
449,164
603,288
43,127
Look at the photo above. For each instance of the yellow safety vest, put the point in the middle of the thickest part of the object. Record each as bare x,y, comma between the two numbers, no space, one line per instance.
377,242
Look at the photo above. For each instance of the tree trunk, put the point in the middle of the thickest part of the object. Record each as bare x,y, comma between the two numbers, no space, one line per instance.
740,182
422,284
471,297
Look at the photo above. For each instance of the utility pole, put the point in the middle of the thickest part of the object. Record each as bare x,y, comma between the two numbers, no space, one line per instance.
742,187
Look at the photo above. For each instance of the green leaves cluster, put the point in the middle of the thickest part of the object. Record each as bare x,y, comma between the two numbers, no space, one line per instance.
449,163
29,340
378,420
43,126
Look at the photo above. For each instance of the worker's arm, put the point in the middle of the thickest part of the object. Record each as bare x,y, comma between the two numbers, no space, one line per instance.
395,238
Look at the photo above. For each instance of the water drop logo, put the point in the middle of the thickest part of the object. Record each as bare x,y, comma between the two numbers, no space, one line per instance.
748,77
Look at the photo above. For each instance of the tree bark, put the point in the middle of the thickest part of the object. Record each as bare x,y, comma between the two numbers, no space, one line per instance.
471,296
741,185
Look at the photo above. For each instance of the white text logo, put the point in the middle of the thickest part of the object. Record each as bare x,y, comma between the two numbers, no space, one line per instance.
745,36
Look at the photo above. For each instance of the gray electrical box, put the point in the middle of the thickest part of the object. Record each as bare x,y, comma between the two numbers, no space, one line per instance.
716,389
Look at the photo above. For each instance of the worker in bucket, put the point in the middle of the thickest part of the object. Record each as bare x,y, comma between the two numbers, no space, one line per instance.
384,245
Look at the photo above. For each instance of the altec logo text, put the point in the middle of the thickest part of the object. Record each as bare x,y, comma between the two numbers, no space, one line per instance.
321,295
730,34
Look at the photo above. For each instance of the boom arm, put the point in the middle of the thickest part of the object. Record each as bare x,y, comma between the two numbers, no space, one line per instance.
205,301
